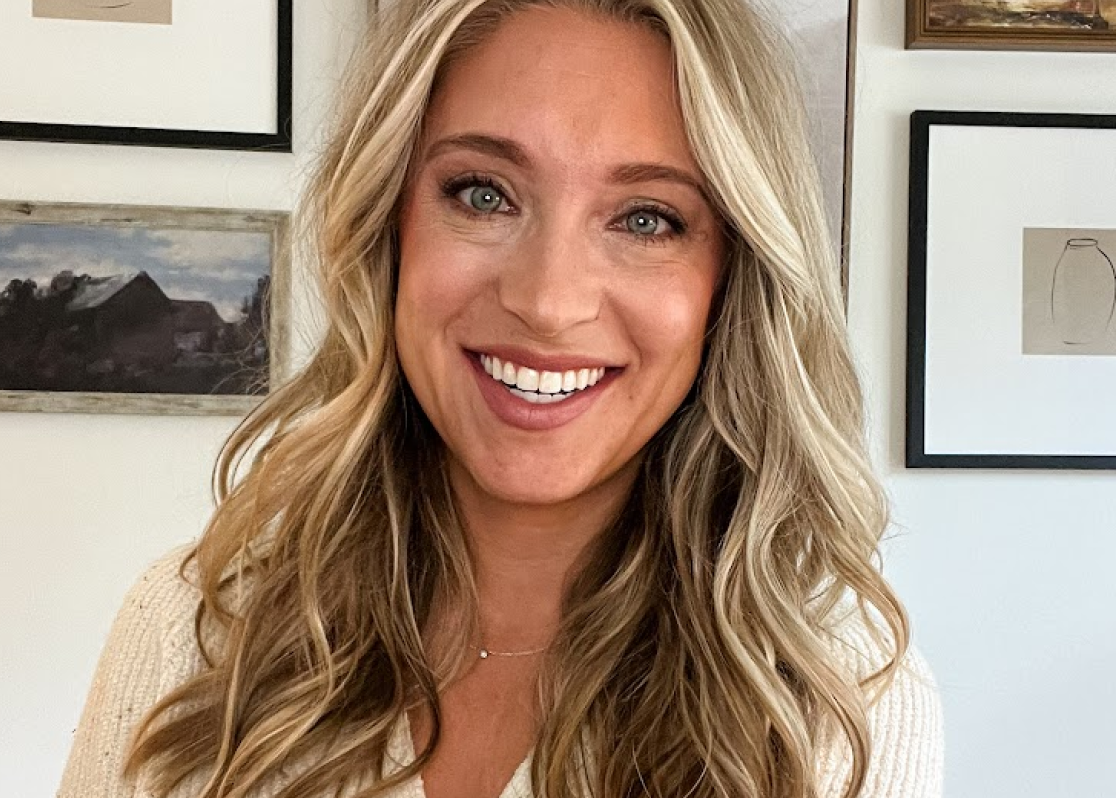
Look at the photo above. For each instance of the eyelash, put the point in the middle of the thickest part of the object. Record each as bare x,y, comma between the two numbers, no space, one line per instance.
455,185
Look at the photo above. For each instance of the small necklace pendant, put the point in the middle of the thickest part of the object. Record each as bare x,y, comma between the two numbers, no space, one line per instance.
484,653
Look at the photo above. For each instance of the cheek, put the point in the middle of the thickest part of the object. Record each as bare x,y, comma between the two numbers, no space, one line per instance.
436,278
419,300
672,323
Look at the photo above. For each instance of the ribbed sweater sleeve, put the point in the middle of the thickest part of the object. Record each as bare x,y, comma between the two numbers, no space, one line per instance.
148,652
905,727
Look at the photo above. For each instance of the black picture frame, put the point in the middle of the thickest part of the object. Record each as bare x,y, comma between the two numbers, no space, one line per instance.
279,141
922,123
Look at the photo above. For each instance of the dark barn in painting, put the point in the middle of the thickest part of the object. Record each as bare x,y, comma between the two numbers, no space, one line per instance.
124,334
121,322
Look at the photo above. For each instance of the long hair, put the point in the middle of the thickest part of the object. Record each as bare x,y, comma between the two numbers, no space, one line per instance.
695,655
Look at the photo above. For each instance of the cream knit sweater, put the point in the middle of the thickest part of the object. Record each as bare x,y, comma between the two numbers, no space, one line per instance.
151,649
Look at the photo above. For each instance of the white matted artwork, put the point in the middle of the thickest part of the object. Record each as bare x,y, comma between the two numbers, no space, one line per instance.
216,74
158,12
1012,291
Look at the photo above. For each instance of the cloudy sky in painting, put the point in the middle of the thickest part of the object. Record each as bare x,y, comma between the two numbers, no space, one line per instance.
214,265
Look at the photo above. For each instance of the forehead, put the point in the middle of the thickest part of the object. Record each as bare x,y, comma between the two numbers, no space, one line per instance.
570,86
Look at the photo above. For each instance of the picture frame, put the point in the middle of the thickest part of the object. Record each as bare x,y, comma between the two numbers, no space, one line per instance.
1085,25
133,309
216,76
824,35
1011,300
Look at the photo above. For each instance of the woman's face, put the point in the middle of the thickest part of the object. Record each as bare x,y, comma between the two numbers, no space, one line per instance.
558,257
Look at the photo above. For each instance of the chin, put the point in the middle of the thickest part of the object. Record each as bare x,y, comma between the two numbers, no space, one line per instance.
532,487
532,481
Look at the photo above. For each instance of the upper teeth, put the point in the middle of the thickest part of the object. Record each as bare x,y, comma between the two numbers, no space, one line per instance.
544,382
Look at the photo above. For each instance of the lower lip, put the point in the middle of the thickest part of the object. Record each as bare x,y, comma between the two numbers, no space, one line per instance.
522,414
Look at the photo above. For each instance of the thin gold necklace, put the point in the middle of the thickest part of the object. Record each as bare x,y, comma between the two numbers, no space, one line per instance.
485,653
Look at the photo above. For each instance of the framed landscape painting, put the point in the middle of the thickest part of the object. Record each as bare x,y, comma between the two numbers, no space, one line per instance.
139,310
1012,24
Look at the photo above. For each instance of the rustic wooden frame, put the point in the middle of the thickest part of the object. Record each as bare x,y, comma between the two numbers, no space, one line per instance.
277,223
921,34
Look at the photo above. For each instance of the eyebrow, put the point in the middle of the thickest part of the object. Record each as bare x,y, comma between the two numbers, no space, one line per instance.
508,150
497,147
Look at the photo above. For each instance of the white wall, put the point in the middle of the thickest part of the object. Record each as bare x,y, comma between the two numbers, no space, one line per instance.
1006,574
86,501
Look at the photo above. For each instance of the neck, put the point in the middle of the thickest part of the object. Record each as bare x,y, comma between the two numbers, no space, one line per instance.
524,555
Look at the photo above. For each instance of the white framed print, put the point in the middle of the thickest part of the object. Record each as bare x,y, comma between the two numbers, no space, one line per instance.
164,73
1011,315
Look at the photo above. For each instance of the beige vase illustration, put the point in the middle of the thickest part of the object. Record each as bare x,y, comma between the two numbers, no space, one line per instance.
1083,294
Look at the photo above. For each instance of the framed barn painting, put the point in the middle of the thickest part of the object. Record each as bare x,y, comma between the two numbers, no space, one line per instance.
119,309
1012,24
1011,326
197,74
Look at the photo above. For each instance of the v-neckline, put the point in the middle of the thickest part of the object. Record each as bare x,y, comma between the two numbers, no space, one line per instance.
519,786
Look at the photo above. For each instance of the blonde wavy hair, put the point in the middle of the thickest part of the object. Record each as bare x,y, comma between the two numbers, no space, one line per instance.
695,655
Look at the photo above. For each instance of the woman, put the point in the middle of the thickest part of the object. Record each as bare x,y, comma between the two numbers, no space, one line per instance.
568,499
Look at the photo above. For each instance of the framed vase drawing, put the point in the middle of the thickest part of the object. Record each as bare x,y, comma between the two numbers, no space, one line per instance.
198,74
127,309
1011,314
1012,24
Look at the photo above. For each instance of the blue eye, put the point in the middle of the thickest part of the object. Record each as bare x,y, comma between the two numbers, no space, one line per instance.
645,223
479,194
652,224
483,198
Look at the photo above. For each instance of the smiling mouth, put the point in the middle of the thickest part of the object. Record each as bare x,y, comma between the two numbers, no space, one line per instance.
540,387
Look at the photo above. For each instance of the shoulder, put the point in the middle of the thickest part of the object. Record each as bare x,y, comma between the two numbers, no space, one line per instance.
905,719
152,644
864,645
159,611
150,650
166,587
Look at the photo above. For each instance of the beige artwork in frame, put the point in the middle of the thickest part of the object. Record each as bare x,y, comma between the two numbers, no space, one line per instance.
156,12
131,309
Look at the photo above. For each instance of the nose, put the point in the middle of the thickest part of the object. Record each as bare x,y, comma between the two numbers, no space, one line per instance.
551,283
